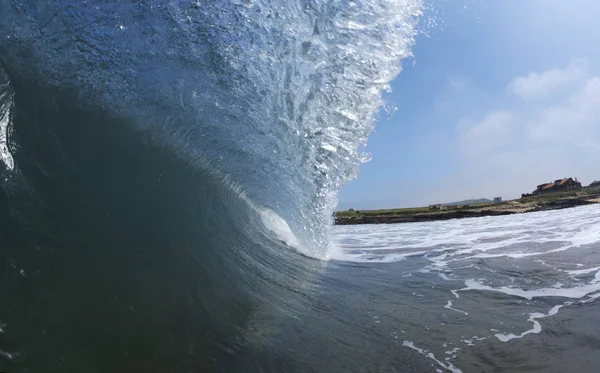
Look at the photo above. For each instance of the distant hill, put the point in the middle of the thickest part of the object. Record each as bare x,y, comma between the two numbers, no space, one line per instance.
469,202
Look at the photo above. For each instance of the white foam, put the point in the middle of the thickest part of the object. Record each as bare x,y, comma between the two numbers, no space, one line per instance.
537,327
372,257
465,250
467,239
444,277
583,271
576,292
468,342
453,351
9,355
275,224
5,107
447,365
449,306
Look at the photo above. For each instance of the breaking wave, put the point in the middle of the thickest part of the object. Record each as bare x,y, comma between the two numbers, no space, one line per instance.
277,97
160,160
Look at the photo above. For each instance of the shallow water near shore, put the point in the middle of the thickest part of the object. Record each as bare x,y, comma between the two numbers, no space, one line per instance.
513,293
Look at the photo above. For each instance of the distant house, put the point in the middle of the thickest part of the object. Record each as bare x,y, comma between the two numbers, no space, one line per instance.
559,185
437,206
595,184
497,200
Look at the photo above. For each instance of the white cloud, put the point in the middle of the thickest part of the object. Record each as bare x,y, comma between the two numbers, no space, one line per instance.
575,120
541,85
486,134
528,141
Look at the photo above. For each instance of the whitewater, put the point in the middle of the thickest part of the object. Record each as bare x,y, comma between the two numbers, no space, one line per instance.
493,293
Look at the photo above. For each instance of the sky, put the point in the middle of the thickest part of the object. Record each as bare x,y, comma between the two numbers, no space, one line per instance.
500,96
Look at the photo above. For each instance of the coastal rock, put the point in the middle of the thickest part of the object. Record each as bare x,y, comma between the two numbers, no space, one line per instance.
562,204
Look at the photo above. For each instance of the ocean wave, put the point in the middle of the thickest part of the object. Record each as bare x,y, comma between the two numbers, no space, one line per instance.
164,165
278,97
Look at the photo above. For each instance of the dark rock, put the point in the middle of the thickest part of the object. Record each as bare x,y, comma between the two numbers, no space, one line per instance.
560,204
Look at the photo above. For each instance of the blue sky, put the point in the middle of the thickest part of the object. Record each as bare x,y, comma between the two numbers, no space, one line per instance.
502,95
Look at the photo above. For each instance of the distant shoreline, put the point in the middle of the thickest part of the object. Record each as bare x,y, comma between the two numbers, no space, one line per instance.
545,202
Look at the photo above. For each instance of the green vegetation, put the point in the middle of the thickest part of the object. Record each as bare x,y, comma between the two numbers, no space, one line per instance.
410,210
595,190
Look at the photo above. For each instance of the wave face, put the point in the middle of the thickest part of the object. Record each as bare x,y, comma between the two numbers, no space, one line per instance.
277,97
163,164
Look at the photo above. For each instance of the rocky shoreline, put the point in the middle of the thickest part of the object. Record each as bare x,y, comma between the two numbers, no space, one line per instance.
507,208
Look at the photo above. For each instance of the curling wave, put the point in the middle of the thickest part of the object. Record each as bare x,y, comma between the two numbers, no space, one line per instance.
279,97
160,160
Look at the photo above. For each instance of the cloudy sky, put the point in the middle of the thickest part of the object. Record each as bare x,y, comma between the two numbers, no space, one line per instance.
501,95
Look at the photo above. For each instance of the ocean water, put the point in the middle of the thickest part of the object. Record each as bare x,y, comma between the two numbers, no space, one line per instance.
517,293
168,173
